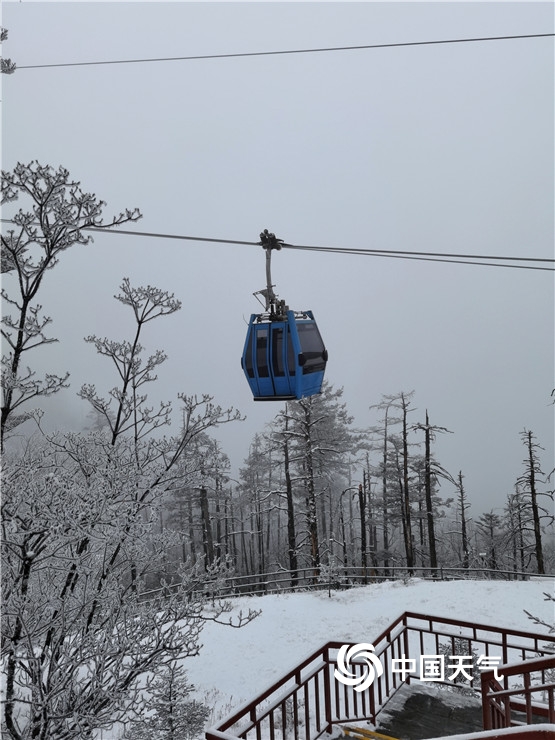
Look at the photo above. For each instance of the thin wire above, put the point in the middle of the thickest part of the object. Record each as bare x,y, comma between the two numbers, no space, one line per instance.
467,259
282,52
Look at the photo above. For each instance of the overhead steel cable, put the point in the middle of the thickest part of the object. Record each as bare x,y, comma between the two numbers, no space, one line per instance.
467,259
455,258
424,254
402,256
156,235
282,52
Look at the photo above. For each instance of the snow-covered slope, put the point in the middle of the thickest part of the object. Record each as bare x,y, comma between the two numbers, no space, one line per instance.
235,664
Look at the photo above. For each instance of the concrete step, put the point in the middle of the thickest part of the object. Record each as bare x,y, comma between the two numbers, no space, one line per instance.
423,711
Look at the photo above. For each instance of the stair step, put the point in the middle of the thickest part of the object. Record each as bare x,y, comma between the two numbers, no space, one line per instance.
361,733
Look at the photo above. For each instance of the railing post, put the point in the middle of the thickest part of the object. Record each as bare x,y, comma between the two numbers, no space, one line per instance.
528,697
406,643
486,710
327,690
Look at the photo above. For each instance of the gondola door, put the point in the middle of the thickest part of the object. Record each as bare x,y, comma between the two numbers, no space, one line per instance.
262,360
282,360
269,360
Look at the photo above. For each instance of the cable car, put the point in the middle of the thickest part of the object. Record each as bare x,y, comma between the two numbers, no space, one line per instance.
284,357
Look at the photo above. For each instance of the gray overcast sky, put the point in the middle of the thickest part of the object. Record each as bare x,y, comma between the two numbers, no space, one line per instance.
438,148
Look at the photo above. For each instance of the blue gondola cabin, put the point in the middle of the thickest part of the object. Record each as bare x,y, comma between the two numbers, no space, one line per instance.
284,359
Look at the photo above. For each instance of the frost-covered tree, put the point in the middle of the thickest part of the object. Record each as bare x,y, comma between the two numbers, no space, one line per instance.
432,473
169,713
321,436
258,503
518,534
7,67
266,508
196,507
462,506
406,511
80,541
76,635
125,409
492,535
408,484
281,428
381,433
394,469
57,214
529,483
542,622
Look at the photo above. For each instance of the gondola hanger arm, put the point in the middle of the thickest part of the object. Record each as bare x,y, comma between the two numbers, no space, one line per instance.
269,241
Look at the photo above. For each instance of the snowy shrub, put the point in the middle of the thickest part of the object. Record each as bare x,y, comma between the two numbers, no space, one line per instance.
170,713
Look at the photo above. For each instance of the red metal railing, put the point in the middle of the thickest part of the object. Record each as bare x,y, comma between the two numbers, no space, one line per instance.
308,701
504,705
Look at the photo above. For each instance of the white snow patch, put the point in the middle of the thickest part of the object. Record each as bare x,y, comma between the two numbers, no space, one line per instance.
234,665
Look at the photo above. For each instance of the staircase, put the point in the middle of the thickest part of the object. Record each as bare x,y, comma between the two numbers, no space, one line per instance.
310,702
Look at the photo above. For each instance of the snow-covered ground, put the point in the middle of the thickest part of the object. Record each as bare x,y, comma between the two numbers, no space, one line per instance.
234,665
